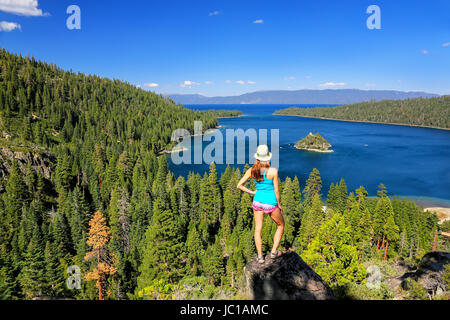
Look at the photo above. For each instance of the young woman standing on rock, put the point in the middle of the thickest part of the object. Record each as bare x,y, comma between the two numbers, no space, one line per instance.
266,198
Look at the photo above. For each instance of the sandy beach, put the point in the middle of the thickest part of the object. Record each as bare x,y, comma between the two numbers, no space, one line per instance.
443,214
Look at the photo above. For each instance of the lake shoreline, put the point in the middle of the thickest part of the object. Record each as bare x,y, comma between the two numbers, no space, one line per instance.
182,149
362,121
358,149
231,117
315,150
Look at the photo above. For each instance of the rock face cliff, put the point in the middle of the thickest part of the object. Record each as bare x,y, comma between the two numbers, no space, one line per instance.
287,277
42,161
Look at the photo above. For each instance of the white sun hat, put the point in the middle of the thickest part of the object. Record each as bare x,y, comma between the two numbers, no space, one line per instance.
262,153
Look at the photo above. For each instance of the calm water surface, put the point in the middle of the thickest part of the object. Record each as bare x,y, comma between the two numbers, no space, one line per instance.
409,161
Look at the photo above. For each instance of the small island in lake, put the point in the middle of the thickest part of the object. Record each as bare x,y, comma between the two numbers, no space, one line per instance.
314,142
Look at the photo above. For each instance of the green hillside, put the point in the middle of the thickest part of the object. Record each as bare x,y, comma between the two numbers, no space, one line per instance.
43,104
431,112
81,185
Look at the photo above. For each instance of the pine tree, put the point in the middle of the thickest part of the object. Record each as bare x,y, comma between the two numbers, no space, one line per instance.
60,230
54,273
163,253
119,219
313,186
99,236
343,197
210,205
245,212
32,276
229,215
180,204
8,280
79,216
311,222
213,263
194,250
332,255
332,197
391,230
291,211
16,196
383,211
63,175
159,184
225,178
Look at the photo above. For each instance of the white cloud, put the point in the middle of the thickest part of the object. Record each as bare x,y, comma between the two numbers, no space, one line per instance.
214,13
289,78
189,84
424,51
227,81
446,44
332,84
371,85
22,7
209,82
259,21
9,26
240,82
151,85
251,82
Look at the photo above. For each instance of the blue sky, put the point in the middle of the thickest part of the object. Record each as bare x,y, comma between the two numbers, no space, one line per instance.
231,47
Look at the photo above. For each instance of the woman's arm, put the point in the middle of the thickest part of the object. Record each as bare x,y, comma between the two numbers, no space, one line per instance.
276,187
244,179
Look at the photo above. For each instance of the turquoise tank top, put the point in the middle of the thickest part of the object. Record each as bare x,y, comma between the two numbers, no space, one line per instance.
265,192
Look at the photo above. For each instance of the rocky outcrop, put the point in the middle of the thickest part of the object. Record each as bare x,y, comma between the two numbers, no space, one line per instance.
287,277
41,161
429,272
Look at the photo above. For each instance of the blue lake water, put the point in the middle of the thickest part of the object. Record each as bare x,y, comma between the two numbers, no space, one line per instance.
410,161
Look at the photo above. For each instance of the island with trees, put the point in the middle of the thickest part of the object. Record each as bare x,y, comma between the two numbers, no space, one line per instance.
315,143
422,112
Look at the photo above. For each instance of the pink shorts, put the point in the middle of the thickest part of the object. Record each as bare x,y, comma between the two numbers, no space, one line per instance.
267,208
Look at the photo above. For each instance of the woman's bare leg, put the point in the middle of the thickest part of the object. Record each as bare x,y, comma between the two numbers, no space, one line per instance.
278,218
259,218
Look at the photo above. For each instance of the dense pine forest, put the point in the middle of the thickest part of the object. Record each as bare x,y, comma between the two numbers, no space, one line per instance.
427,112
224,113
82,184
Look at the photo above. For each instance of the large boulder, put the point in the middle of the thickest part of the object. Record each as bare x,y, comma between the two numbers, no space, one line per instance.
429,272
287,277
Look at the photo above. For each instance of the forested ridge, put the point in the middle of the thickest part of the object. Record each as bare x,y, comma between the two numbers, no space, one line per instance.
224,113
428,112
112,207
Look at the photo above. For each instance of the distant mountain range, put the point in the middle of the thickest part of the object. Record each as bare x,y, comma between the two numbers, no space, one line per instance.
306,96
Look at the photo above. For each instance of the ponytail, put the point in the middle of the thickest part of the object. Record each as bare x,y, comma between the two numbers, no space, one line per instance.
257,170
